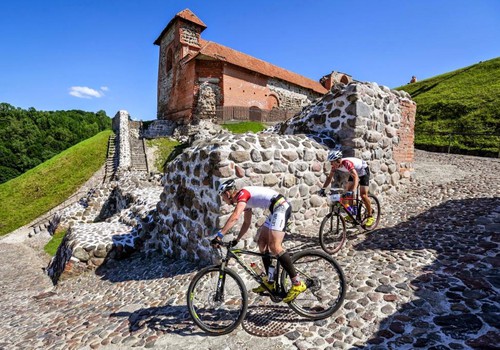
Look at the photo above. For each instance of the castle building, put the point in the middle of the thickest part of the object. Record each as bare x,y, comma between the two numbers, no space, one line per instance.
199,79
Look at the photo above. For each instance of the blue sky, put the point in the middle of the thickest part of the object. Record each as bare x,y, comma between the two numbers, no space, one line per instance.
99,54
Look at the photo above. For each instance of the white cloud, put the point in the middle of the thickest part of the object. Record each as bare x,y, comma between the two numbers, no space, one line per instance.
104,88
86,92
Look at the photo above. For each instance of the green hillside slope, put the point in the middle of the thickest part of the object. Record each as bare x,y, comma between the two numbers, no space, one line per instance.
465,101
40,189
29,137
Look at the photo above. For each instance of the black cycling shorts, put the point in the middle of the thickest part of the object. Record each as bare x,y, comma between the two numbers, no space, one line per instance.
363,180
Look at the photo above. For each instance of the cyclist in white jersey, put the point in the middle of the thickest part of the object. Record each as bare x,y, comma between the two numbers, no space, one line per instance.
271,233
359,173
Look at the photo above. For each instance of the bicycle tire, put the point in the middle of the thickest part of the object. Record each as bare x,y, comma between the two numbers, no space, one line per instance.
363,213
332,233
325,280
217,317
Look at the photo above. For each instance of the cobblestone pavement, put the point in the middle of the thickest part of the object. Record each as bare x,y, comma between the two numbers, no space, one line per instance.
427,278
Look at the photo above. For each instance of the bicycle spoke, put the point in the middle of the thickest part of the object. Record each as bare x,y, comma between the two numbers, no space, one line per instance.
325,281
375,206
217,312
332,233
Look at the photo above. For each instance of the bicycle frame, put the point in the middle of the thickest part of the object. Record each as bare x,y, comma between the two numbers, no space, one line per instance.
341,203
235,253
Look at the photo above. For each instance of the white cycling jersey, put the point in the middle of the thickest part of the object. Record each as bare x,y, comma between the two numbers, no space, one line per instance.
350,163
262,197
256,196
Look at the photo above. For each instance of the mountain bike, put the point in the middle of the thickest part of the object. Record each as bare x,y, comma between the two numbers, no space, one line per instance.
217,298
332,231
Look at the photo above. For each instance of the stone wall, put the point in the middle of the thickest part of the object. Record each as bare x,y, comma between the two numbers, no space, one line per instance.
291,97
165,79
122,130
190,34
404,151
159,128
368,121
208,98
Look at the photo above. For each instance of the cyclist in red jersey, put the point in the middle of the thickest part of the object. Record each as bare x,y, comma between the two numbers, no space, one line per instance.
359,173
271,233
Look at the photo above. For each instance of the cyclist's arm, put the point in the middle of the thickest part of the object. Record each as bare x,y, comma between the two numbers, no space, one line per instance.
233,219
328,179
247,220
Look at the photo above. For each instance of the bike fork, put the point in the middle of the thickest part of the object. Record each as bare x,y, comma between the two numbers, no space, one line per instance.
221,281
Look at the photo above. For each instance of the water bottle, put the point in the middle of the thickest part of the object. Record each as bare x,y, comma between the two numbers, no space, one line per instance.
352,210
257,270
270,275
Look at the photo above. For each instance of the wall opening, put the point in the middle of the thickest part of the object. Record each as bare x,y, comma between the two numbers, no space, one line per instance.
170,57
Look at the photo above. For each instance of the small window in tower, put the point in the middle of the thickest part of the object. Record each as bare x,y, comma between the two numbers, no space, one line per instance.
170,57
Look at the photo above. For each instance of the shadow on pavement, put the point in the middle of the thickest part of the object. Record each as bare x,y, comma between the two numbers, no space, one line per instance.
456,300
141,266
165,319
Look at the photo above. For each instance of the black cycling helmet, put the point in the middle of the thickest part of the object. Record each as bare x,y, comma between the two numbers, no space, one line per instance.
334,154
226,186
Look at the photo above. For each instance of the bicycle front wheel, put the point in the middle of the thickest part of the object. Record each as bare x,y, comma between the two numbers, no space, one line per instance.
217,300
363,212
326,286
332,233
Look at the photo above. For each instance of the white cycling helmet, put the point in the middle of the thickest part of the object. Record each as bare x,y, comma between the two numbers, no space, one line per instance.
226,186
334,154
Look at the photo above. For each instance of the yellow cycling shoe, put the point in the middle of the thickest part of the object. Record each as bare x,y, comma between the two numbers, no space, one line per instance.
294,292
370,221
262,289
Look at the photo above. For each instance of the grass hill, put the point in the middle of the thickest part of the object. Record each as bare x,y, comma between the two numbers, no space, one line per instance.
29,137
40,189
453,105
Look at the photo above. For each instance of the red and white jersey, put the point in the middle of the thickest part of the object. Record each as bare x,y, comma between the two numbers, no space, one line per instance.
353,163
256,196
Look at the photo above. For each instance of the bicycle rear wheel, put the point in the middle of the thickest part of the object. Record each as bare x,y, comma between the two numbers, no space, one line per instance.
326,286
363,212
217,309
332,233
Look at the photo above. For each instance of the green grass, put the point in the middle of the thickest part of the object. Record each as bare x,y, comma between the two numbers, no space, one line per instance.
243,127
462,101
52,245
166,149
40,189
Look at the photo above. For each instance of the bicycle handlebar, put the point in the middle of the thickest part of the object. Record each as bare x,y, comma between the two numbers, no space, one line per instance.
337,190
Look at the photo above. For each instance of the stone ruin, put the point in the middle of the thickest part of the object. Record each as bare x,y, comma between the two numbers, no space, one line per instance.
363,119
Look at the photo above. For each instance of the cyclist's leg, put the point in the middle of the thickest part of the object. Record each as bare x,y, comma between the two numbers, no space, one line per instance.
364,182
350,186
263,243
278,223
363,190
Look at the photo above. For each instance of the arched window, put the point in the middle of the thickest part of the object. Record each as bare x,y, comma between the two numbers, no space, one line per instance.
170,58
272,101
344,79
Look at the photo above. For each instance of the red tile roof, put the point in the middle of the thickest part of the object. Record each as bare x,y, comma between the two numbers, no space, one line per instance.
223,53
185,14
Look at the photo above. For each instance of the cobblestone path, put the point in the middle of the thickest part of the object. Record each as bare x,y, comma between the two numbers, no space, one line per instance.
427,278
